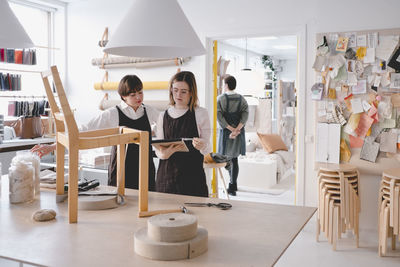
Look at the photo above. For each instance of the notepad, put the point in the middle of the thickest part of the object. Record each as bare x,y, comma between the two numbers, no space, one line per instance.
163,143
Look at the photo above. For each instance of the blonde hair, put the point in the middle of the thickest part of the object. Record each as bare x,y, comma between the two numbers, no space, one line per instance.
188,77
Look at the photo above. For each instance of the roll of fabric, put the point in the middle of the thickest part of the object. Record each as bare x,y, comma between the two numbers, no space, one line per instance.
172,236
134,60
172,227
156,85
146,247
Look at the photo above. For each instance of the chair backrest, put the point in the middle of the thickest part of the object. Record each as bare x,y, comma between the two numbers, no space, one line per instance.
67,117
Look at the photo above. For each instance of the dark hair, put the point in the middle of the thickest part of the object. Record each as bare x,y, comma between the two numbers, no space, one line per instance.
129,84
188,77
231,82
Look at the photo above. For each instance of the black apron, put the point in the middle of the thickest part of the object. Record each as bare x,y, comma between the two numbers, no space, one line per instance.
226,145
132,155
183,172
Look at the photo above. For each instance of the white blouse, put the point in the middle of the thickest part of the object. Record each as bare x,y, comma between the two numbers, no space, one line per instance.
110,118
202,120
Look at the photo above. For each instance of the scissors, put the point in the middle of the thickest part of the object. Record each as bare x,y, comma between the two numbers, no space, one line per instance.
221,205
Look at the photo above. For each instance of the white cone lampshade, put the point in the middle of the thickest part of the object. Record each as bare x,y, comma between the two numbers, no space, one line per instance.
12,34
250,82
155,28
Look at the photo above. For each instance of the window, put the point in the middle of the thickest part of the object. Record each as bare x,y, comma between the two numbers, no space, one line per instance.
41,23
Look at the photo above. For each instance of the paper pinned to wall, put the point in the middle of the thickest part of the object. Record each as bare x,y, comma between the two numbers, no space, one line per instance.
352,124
363,125
369,151
388,142
395,100
351,79
356,105
395,80
360,88
366,106
362,40
320,63
345,153
355,141
387,123
375,131
352,39
372,40
370,55
387,43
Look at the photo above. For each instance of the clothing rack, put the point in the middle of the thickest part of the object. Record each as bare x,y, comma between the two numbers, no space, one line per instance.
17,70
23,96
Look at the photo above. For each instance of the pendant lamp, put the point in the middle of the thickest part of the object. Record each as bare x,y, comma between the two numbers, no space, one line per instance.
250,82
12,34
155,28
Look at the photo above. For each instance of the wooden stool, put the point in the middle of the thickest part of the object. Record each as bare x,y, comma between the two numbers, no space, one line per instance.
217,167
389,209
338,201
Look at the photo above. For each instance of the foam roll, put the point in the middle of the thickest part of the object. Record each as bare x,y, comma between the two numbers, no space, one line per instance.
160,85
97,202
146,247
172,227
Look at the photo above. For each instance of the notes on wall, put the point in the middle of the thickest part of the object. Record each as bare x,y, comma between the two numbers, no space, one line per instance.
358,93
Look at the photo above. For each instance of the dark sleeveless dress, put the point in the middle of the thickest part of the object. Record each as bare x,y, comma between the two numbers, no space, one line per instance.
183,172
132,155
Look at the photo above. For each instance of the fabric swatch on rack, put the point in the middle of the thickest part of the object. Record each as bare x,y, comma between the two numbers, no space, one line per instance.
2,51
10,55
18,56
11,108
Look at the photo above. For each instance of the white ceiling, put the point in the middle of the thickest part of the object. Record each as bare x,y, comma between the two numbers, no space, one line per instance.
281,47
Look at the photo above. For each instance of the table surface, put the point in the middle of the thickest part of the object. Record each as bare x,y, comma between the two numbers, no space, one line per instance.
250,234
19,144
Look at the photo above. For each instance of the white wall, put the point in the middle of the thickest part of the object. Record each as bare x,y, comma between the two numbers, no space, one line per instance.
289,71
86,23
216,19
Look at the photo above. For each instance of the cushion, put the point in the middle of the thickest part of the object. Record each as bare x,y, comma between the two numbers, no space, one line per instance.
251,137
272,142
250,147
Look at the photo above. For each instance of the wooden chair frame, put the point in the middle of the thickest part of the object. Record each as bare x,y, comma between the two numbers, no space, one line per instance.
73,140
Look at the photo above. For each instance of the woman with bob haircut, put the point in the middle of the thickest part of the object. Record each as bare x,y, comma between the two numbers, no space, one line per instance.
132,113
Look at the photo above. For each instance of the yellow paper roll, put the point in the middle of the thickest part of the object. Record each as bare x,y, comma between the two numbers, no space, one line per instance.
160,85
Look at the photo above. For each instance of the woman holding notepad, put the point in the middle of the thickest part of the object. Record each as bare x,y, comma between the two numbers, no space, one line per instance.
182,172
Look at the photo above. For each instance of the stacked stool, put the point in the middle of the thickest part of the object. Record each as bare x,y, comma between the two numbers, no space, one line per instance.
338,201
389,209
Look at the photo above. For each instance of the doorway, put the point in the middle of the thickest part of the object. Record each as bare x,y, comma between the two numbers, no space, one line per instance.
271,177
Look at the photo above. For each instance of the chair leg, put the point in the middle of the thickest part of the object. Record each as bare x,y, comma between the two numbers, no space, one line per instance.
60,161
335,226
385,230
121,169
73,154
357,221
223,182
318,232
330,221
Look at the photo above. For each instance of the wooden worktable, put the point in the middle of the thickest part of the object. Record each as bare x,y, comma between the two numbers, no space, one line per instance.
250,234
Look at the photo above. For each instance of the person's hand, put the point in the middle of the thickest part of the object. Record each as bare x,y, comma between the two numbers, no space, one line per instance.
199,143
234,134
167,151
43,149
